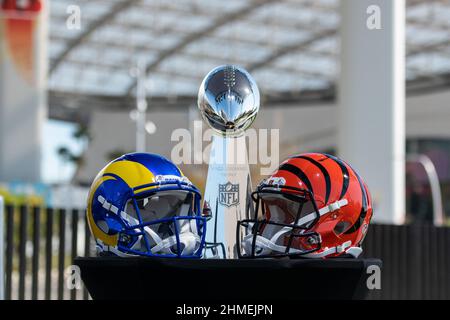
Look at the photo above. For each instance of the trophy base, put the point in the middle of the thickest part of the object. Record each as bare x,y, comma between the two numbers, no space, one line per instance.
221,280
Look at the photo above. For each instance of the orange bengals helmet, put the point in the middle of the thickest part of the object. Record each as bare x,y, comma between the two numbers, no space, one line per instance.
315,205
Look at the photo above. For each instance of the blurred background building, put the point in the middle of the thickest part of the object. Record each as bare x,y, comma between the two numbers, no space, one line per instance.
67,105
368,80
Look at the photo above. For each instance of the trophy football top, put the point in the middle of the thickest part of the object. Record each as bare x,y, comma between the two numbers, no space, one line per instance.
228,99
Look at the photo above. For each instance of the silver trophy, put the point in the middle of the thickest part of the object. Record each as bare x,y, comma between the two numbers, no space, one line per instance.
228,100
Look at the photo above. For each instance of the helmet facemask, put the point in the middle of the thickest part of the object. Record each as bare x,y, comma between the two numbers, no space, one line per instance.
164,222
284,217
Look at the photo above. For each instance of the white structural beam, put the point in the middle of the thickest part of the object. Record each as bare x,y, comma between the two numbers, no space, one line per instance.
141,107
23,104
371,116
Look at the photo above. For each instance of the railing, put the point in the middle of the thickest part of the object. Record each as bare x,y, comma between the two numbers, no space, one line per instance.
416,261
2,251
42,243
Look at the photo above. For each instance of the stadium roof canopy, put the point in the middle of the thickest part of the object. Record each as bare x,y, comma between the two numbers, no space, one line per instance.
290,46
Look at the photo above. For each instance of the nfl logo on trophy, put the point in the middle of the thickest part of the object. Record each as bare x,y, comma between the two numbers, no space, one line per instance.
229,194
228,100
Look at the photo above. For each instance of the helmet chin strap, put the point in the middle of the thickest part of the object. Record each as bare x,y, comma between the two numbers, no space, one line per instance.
189,240
188,235
345,247
267,245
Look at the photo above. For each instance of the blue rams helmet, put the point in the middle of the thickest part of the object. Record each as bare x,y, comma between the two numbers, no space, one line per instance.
142,204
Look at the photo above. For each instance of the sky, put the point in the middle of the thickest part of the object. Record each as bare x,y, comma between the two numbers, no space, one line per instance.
57,134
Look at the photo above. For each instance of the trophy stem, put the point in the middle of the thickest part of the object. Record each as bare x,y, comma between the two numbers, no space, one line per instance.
227,192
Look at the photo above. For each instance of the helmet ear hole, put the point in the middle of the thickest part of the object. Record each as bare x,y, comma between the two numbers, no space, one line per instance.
340,227
103,225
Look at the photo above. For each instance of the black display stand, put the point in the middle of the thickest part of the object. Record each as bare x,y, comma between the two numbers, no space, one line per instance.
211,280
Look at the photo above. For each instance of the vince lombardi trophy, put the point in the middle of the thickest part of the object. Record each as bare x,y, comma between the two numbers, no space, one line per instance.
228,100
